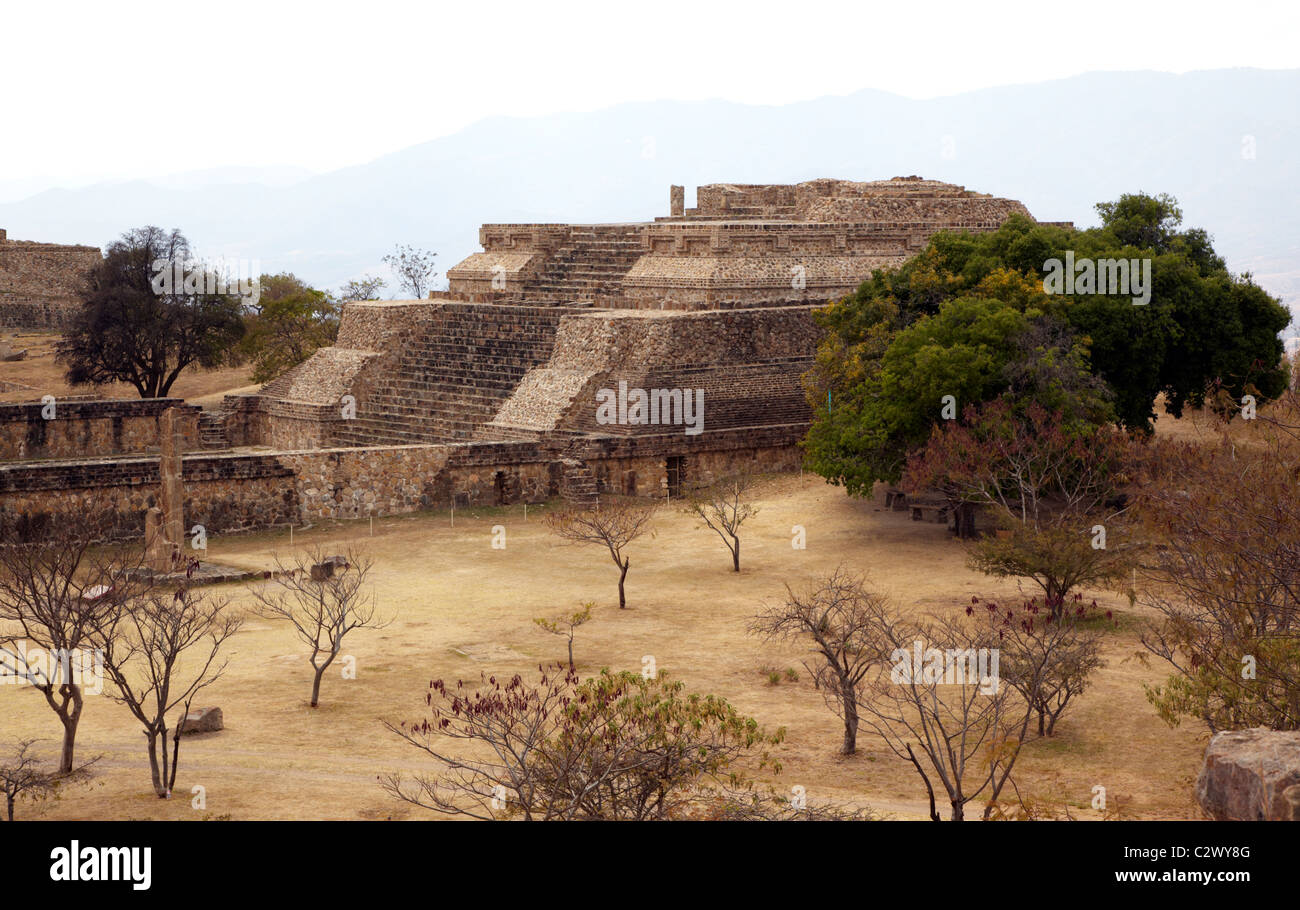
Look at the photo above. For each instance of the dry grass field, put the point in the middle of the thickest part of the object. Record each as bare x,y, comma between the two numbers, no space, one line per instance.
39,374
461,608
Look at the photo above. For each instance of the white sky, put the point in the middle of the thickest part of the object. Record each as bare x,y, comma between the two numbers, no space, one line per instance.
93,90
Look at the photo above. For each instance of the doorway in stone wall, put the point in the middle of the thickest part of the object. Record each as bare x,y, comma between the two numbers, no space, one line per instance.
676,475
499,488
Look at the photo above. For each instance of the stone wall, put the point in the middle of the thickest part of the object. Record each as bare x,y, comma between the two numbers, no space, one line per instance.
897,199
639,466
749,362
83,428
743,245
224,493
235,492
41,283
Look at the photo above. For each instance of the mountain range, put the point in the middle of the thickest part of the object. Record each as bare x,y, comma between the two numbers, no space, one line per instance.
1223,142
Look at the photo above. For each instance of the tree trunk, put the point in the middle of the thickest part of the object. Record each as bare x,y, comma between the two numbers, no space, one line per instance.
9,802
735,555
934,812
570,653
958,811
850,726
1055,600
70,718
176,749
964,520
159,787
315,686
622,600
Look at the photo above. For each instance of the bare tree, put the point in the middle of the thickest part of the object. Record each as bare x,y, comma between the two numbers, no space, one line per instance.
566,625
1049,659
413,268
22,777
146,643
55,590
1054,489
613,524
840,617
724,507
324,599
937,700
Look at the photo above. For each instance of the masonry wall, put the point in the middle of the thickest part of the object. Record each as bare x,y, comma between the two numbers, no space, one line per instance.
639,466
236,492
222,493
41,283
749,362
86,428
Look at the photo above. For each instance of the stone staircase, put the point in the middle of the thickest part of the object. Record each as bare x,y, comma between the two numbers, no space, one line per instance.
591,265
454,376
577,485
212,430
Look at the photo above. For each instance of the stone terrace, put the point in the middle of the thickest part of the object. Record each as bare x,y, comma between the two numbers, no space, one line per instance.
743,245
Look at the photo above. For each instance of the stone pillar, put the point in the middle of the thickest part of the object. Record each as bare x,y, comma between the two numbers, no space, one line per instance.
165,526
157,552
676,200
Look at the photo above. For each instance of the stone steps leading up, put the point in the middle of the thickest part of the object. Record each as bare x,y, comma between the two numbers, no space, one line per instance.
592,264
577,485
453,378
212,430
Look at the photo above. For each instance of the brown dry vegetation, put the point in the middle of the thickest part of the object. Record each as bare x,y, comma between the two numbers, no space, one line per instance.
463,608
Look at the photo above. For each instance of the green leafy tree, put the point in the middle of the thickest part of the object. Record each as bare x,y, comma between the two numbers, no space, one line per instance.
864,433
366,287
131,328
566,625
966,316
294,320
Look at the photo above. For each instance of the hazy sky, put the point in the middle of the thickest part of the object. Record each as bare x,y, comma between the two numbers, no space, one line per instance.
150,88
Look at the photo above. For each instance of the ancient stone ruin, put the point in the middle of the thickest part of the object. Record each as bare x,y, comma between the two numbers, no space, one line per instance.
564,360
41,283
164,529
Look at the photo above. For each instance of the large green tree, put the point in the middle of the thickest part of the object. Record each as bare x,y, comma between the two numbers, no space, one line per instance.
294,319
138,326
971,317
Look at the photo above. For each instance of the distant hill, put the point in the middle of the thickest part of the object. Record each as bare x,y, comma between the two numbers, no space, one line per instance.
1059,147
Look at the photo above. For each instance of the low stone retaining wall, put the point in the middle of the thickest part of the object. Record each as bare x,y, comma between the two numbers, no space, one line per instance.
234,492
72,429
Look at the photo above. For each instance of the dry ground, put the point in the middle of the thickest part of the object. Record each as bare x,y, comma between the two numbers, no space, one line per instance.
461,608
38,375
